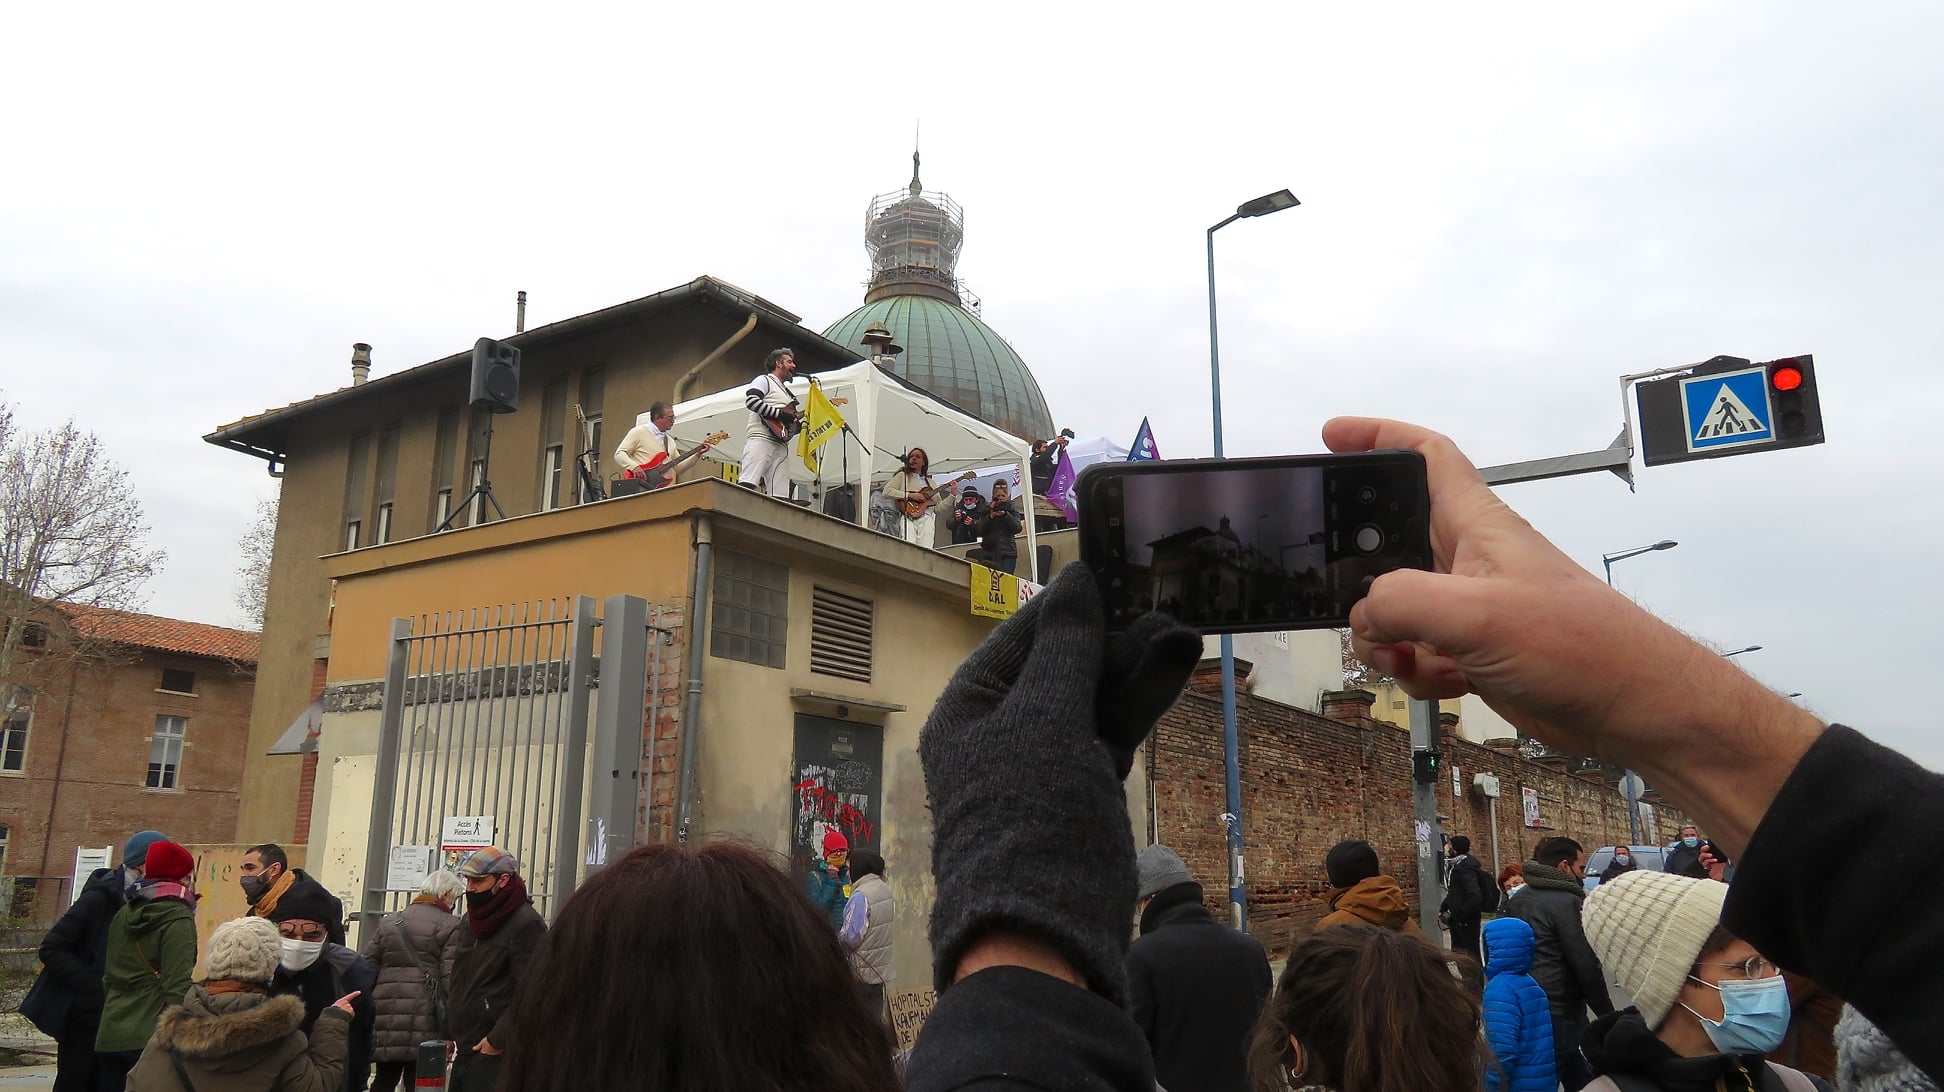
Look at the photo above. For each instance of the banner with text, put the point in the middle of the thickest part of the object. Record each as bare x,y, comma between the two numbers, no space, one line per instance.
999,595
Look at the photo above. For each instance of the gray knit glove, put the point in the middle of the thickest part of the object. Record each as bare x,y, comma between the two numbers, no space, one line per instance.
1024,755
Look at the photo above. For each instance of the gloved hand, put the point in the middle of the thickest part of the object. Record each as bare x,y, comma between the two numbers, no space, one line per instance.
1024,756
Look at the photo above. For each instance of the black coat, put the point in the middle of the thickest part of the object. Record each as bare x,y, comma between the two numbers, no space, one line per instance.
1621,1043
1195,988
76,949
338,971
1011,1028
998,528
1852,807
1683,861
1470,891
484,976
1563,962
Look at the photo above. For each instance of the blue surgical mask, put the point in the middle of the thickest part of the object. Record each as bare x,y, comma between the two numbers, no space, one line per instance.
1622,859
1754,1015
1691,842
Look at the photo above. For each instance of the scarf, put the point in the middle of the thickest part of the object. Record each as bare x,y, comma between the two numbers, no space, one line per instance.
216,987
428,899
161,889
1541,878
486,920
268,902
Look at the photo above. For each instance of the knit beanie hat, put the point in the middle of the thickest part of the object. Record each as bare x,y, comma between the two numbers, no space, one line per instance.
164,860
1349,861
307,901
1648,928
835,842
1867,1061
136,851
245,950
1160,868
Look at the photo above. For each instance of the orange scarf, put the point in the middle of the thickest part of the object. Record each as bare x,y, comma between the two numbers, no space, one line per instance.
269,901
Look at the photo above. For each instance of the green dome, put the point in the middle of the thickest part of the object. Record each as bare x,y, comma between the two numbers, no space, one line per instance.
952,354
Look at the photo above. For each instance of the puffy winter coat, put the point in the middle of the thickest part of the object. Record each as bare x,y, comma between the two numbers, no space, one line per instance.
1518,1022
401,996
76,949
151,956
829,894
1378,900
243,1042
338,971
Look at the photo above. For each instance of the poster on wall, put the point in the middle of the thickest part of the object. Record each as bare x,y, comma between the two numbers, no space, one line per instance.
837,783
1531,797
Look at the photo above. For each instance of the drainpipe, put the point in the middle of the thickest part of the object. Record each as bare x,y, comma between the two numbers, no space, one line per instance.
698,625
683,384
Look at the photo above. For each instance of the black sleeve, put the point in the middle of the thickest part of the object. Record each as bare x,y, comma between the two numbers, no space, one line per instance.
1851,807
65,950
1011,1028
1584,965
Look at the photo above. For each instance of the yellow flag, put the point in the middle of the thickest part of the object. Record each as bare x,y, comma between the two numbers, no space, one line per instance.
820,422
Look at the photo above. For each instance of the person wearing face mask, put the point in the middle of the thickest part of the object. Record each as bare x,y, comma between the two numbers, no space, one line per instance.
1623,862
318,971
151,955
1707,1005
1684,856
265,876
501,935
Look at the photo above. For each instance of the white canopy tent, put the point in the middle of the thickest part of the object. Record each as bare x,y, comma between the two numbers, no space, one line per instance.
886,415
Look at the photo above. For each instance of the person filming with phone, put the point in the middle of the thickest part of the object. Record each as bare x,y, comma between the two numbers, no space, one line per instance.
999,526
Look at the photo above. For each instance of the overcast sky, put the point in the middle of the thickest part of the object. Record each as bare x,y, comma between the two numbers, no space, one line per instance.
1504,209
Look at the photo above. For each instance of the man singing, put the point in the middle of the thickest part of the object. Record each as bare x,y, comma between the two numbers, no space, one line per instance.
766,449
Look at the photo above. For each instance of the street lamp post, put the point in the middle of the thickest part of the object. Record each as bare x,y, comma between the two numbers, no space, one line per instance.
1739,651
1631,782
1261,206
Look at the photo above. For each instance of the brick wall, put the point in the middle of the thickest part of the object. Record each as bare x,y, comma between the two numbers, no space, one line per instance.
1309,781
661,745
87,765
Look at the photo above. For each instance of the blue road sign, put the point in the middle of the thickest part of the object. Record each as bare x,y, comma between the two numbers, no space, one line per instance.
1727,409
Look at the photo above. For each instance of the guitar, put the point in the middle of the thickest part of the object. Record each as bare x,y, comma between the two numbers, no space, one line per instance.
660,470
785,430
916,509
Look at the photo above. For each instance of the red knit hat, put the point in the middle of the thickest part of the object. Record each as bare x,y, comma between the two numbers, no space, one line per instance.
168,861
834,842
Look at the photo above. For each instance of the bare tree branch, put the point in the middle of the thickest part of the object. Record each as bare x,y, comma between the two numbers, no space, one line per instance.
253,571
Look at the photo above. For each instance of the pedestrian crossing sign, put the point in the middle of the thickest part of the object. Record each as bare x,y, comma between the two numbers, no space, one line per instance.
1727,409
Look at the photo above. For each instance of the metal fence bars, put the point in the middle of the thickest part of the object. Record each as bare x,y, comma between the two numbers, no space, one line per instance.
490,734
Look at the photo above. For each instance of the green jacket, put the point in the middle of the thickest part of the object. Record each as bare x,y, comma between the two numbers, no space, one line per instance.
151,956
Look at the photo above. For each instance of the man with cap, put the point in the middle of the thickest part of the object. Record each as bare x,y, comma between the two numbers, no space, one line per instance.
266,874
1194,985
151,954
829,882
1707,1005
74,952
501,933
1359,892
318,970
1469,892
1563,964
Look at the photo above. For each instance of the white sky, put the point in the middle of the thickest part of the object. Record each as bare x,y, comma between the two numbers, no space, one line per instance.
1505,208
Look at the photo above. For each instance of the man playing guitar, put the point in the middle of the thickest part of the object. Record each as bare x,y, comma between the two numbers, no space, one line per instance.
649,451
773,420
913,491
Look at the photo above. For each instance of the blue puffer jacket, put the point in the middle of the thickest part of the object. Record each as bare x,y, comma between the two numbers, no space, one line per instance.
1517,1022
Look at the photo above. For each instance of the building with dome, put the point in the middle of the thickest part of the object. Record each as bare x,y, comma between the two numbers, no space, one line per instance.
914,238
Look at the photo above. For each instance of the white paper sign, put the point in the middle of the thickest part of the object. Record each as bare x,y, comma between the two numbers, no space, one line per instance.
466,832
1531,797
86,863
408,867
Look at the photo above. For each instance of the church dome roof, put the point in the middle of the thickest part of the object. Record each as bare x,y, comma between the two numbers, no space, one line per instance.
951,353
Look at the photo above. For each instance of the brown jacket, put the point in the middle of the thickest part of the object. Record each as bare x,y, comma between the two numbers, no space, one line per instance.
1375,901
243,1042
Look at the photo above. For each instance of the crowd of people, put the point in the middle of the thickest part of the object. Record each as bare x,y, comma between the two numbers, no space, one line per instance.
708,966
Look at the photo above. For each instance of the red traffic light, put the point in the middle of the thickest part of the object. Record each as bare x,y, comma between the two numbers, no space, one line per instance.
1784,375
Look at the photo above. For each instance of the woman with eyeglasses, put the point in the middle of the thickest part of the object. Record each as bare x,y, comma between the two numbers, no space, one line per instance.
1707,1005
318,971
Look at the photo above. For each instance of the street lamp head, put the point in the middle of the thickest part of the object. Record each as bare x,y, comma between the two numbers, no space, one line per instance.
1666,544
1268,203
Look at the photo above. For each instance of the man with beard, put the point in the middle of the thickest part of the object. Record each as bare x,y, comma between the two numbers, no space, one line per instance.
501,934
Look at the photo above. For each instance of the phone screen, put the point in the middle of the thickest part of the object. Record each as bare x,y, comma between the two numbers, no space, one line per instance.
1238,545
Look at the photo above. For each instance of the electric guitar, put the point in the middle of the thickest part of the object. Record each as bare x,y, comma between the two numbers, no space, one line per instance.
916,509
792,423
661,470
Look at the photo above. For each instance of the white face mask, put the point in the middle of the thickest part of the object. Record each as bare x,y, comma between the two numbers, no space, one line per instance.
297,955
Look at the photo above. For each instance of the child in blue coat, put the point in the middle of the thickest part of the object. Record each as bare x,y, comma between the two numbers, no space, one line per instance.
1517,1021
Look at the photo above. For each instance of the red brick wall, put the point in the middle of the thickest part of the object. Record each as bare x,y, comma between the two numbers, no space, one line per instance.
87,764
661,759
1309,782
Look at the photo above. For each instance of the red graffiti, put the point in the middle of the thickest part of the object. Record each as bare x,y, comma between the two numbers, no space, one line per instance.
832,808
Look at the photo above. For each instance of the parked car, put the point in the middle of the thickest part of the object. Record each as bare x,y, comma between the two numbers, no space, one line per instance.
1649,858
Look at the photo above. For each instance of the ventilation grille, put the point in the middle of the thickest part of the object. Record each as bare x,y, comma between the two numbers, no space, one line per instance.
840,635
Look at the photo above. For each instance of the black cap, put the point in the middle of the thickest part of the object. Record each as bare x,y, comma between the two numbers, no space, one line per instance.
306,900
1461,843
1349,861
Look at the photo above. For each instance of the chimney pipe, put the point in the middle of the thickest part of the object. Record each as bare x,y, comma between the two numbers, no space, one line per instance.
360,364
519,314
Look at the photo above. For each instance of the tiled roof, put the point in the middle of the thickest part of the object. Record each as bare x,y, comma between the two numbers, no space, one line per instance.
164,634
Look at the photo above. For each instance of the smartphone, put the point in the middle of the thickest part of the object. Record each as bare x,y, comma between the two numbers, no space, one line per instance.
1251,545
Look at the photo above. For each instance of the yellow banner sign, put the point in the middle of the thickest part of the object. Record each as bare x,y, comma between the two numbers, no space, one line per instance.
999,595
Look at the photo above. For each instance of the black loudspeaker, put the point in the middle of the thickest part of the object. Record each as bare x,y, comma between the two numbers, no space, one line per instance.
495,376
628,487
841,502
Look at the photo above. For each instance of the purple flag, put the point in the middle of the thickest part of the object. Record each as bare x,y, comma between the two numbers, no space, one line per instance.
1061,491
1143,449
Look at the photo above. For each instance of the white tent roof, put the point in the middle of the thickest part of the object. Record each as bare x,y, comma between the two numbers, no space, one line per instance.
887,417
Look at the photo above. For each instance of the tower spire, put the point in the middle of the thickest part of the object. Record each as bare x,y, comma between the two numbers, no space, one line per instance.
915,187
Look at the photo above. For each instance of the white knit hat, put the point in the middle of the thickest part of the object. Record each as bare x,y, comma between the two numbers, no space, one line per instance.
245,949
1648,928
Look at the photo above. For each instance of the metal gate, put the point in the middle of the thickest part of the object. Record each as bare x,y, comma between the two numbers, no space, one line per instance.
530,714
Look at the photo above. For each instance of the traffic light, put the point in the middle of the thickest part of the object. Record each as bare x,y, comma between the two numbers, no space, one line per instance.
1792,394
1424,767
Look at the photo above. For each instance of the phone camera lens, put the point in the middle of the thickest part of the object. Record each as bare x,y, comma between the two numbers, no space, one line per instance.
1366,494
